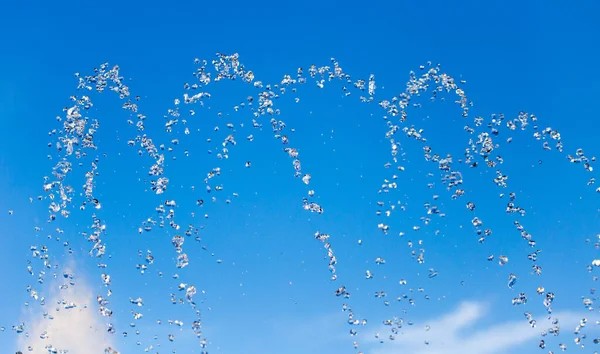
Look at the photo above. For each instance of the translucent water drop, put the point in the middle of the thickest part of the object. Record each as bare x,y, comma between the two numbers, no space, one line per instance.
502,260
512,280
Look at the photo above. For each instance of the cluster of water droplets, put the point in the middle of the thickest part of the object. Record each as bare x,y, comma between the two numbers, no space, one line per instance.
74,144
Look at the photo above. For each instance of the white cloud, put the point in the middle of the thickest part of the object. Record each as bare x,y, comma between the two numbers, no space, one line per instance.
459,333
80,330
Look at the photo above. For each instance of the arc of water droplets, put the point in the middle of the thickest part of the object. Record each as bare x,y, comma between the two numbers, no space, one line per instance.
482,147
159,185
223,65
78,136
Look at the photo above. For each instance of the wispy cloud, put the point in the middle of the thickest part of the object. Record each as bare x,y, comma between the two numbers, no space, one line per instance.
458,333
80,330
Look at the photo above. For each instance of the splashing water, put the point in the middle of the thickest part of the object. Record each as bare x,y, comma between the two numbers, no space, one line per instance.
81,145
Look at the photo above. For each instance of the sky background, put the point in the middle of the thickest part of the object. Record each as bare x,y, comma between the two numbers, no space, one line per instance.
271,290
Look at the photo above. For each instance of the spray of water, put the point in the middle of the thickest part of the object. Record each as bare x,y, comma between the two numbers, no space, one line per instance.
75,145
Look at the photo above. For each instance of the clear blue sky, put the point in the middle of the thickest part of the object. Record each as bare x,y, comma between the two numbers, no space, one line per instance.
270,292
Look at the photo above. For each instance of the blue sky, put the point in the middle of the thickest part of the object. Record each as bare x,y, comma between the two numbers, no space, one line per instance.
262,278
